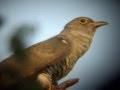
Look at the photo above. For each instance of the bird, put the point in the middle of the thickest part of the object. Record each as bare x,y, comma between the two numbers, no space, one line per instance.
52,59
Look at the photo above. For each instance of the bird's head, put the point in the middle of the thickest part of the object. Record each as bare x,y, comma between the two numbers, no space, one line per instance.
84,24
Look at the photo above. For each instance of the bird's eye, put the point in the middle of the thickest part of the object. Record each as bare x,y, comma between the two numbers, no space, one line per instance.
83,21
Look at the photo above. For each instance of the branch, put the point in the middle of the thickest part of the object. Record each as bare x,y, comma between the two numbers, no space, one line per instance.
66,84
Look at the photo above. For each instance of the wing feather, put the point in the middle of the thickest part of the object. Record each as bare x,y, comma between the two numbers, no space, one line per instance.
39,55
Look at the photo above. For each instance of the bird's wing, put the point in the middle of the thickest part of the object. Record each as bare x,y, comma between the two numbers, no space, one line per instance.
39,57
48,52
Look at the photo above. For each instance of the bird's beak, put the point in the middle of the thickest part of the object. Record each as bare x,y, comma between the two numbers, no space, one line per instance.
100,23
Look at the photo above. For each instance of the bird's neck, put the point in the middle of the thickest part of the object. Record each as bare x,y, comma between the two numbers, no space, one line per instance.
80,42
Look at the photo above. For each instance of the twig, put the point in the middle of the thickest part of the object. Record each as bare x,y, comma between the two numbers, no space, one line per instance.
64,85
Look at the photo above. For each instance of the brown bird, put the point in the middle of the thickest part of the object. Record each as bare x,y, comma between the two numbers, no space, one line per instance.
52,59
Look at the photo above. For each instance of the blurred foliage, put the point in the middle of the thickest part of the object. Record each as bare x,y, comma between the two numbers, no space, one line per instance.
18,42
18,47
1,21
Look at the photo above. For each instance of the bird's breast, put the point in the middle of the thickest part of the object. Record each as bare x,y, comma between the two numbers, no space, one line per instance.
60,69
79,45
